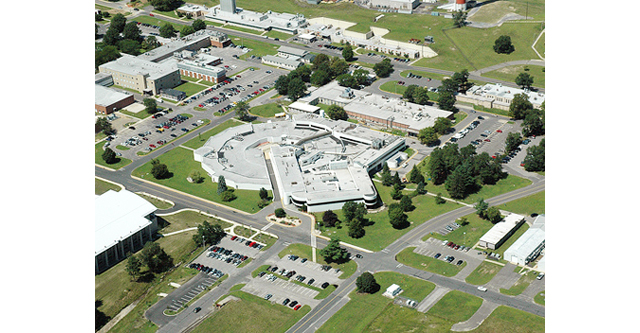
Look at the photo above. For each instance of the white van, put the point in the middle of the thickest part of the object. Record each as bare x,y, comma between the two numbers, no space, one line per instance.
481,288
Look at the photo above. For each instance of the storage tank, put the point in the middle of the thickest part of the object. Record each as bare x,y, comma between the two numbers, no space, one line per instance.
460,5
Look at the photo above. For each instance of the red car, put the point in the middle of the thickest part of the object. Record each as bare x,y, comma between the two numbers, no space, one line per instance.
499,131
261,90
159,142
297,307
150,14
234,237
152,146
238,76
487,140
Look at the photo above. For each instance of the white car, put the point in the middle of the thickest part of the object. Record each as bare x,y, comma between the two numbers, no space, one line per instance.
540,276
481,288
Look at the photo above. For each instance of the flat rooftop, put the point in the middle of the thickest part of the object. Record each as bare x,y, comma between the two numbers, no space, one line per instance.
105,96
500,229
175,45
131,65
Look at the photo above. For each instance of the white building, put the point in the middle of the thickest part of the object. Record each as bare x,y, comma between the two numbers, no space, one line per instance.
392,291
124,222
529,245
227,12
498,96
501,231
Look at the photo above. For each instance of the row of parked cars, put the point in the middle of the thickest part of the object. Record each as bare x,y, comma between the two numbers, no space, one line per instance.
293,304
208,91
207,270
456,246
448,259
288,274
247,242
226,255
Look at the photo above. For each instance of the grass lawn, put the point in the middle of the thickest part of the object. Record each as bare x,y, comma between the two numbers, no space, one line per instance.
510,73
264,315
158,203
159,22
265,239
483,273
187,219
380,234
102,187
429,264
396,318
266,110
181,164
393,87
120,161
199,141
258,48
507,319
527,205
456,306
190,88
243,232
278,34
304,251
467,235
364,309
244,29
539,298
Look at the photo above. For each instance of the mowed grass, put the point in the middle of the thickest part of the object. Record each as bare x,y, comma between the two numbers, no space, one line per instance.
101,187
266,110
120,161
456,306
364,309
188,219
396,318
251,314
467,235
380,233
429,264
507,319
510,73
199,141
190,88
534,203
181,164
483,273
523,282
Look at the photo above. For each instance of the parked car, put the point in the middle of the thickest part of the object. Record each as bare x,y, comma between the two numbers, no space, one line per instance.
481,288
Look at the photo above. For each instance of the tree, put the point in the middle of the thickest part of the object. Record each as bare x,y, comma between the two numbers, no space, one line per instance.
439,199
131,31
520,106
420,188
296,88
406,203
383,68
513,141
524,80
228,195
196,177
408,93
387,180
109,156
118,22
437,167
337,112
493,214
106,54
460,182
329,218
396,180
187,30
366,283
503,45
533,123
264,195
222,184
428,136
347,80
165,5
356,228
396,194
155,258
129,46
446,101
463,221
167,31
415,176
459,19
320,60
347,53
320,78
98,17
133,267
150,105
280,213
282,84
361,76
461,80
334,253
353,210
242,110
211,233
199,25
481,208
337,67
420,96
150,43
442,125
397,217
534,161
104,125
303,72
111,37
159,170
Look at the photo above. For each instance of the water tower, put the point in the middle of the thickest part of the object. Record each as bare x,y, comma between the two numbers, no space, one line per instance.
460,5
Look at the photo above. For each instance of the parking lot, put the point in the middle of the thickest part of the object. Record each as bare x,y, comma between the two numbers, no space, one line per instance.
280,290
227,254
432,246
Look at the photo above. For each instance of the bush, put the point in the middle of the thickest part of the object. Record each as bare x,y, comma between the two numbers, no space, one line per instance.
228,195
280,213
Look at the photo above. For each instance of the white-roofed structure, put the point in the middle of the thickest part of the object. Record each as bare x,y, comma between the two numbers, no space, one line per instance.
501,231
498,96
529,245
124,222
303,107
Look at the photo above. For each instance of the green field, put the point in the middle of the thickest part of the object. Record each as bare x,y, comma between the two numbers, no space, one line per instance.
393,87
520,285
381,233
506,319
190,88
259,316
102,187
467,235
266,110
187,219
510,73
534,203
483,273
364,309
456,306
120,162
181,164
158,203
429,264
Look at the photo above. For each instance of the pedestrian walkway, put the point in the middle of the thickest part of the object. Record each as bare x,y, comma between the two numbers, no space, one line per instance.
179,231
472,323
432,299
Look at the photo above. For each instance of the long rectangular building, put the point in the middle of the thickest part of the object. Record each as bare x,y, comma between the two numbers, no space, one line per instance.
529,245
501,231
142,75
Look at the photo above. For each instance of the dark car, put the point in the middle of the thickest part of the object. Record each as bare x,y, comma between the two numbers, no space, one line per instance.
285,302
292,304
459,262
437,255
325,285
197,309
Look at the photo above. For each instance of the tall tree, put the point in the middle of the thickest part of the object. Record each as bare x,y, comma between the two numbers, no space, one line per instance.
442,125
159,170
460,182
165,5
106,54
320,77
387,180
131,31
534,161
383,68
329,219
406,203
493,214
347,53
459,19
129,46
199,25
428,136
167,31
361,76
242,111
503,45
296,88
109,156
353,210
133,267
366,283
513,141
187,30
347,80
397,217
150,43
356,228
481,208
446,101
337,112
282,84
461,80
222,184
520,106
118,22
111,37
408,93
150,104
420,96
211,233
524,80
334,253
264,195
533,123
338,67
318,61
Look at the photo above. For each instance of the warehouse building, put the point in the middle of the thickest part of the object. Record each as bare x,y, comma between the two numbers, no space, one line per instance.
193,42
501,231
280,62
227,12
201,66
108,100
124,222
142,75
527,248
172,94
401,6
498,96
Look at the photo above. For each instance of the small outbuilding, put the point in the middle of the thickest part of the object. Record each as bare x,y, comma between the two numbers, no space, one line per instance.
172,94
